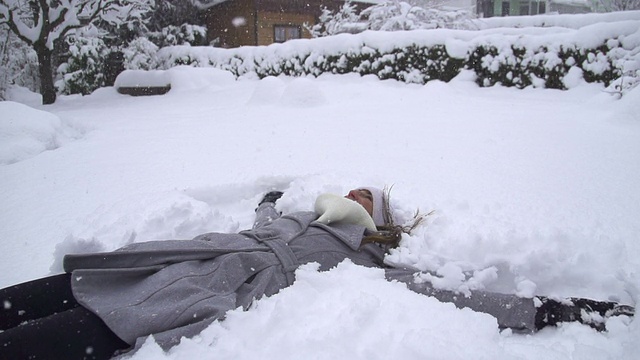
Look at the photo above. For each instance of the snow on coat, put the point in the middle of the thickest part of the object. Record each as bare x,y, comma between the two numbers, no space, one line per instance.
176,288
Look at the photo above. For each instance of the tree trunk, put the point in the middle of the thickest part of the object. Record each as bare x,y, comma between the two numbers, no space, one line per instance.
47,89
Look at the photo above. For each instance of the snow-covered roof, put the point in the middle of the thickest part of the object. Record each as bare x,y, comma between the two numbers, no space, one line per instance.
204,4
572,2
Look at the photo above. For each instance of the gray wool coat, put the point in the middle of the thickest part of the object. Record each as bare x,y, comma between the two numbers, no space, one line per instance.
176,288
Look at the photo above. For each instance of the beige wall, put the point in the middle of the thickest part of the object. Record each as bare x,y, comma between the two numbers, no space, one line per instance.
257,29
267,21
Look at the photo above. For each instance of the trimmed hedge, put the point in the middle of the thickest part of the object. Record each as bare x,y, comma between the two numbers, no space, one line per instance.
413,64
509,65
526,67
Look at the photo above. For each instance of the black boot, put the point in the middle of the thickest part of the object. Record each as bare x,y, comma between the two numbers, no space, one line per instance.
586,311
271,196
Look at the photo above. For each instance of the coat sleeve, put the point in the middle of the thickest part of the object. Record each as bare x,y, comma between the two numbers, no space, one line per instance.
510,311
265,214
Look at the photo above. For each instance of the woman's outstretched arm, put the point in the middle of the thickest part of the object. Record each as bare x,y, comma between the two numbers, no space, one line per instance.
266,211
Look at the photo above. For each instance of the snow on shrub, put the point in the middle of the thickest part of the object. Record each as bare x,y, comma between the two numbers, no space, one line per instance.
511,57
140,54
83,72
507,60
18,63
179,35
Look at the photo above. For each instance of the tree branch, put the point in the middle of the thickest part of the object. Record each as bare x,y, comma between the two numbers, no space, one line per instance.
11,23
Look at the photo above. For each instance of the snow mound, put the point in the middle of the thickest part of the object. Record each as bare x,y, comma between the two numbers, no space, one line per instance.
302,92
384,319
23,95
268,91
574,78
152,216
132,78
298,92
26,132
185,78
181,78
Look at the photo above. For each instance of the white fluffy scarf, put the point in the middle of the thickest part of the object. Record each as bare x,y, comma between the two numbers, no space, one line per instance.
335,208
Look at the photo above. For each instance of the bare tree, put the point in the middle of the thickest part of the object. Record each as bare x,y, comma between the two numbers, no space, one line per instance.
39,23
618,5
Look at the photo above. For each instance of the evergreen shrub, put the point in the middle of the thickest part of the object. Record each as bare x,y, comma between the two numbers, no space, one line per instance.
513,65
83,72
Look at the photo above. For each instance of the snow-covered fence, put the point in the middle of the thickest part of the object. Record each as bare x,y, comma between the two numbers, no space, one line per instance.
546,57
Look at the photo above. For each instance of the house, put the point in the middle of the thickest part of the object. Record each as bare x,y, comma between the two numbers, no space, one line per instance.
570,6
233,23
490,8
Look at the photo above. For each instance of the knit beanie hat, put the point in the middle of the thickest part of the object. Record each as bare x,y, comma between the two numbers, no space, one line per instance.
378,204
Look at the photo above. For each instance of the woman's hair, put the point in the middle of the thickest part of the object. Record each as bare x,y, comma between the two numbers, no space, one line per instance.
390,234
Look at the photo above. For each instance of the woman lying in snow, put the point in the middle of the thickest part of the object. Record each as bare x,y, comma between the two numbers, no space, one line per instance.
107,303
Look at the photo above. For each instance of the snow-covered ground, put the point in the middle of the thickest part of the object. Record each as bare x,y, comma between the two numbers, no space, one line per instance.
535,190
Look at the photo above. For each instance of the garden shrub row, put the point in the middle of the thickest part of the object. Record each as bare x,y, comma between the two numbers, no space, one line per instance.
509,65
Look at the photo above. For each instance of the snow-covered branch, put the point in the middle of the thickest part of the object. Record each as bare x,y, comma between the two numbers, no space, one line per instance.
390,15
41,22
53,19
618,5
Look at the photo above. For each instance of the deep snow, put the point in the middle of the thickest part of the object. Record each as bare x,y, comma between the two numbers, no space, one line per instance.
535,192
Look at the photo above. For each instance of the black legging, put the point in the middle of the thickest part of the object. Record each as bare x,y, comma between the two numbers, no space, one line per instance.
41,319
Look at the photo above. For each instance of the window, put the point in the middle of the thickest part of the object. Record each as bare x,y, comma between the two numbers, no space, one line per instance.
485,8
506,7
283,33
537,7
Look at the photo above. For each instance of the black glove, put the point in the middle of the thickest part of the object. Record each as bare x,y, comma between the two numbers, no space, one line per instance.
271,196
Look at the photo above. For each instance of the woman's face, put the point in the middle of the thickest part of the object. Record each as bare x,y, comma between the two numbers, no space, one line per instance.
362,197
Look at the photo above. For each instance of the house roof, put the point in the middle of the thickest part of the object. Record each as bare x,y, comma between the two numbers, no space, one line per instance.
206,4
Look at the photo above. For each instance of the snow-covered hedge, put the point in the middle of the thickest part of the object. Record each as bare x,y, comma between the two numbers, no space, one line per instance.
509,56
542,67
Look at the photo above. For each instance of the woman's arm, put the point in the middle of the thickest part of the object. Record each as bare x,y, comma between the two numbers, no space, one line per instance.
266,211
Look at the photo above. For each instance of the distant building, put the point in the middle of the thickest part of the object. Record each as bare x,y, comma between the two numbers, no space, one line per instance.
490,8
234,23
570,6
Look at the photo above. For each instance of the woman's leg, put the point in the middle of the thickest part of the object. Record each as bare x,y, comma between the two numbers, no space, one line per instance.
35,299
73,334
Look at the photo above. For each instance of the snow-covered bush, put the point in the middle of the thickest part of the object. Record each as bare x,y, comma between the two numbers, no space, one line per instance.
629,80
394,15
518,57
179,35
390,15
140,54
18,63
510,63
521,67
345,20
413,64
82,73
